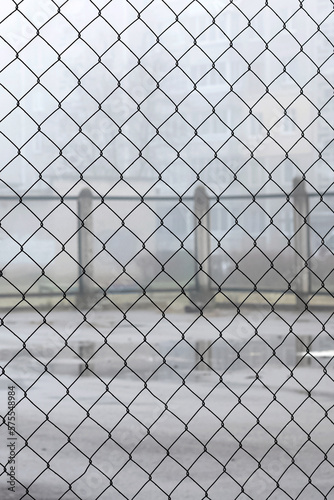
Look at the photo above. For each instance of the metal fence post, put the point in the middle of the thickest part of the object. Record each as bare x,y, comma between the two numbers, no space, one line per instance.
202,247
301,241
85,247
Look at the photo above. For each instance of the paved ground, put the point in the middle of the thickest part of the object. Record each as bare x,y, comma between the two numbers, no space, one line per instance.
247,427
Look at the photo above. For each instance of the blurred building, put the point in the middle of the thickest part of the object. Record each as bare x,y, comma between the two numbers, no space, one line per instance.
156,100
230,94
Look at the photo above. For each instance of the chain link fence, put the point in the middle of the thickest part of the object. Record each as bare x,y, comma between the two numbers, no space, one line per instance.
166,229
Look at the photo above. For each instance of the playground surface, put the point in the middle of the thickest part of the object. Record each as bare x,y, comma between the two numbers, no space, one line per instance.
151,405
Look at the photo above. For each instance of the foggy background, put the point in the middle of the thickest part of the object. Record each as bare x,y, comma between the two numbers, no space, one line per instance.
150,100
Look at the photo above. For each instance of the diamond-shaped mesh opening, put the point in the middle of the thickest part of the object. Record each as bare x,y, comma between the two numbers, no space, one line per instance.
166,263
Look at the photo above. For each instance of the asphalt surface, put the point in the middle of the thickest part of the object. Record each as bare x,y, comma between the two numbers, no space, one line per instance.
170,424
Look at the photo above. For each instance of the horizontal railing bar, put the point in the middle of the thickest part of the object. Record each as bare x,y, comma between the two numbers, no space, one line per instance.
158,198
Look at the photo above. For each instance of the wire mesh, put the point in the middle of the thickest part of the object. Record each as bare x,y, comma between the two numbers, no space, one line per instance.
166,240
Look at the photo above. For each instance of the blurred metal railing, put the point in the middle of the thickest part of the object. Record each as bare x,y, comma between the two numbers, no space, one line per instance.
221,260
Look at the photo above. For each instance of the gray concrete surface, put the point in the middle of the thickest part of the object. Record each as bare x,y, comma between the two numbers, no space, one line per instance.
226,427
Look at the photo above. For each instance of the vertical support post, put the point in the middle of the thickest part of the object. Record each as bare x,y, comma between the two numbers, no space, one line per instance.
85,234
301,242
202,245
